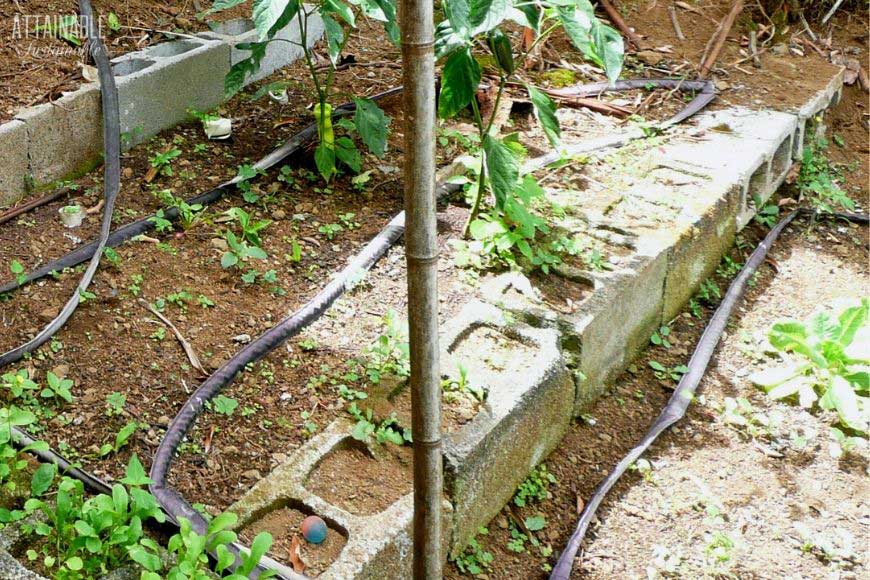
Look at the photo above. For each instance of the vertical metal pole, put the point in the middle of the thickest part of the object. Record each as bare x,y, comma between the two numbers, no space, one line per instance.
421,250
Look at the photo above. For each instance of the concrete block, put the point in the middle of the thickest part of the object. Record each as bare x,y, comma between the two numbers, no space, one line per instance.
527,411
826,97
158,85
14,163
279,53
65,139
378,546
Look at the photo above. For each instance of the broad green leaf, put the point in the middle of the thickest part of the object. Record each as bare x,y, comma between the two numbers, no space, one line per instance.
334,38
257,253
502,167
219,5
268,15
225,558
228,260
459,81
791,336
859,348
487,14
458,13
535,523
860,380
221,522
261,544
135,475
545,113
851,320
324,158
851,408
372,125
146,559
235,79
608,45
773,376
484,229
42,479
75,563
341,9
347,153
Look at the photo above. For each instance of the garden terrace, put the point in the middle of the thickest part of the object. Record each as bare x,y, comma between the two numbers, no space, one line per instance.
532,352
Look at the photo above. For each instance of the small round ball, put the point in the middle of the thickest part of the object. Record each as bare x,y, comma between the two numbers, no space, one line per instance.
314,530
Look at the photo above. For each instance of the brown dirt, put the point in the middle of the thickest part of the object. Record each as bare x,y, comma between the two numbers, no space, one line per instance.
36,68
285,523
377,483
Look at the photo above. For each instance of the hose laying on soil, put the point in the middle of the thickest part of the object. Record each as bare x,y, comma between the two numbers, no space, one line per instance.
685,391
111,185
169,499
144,225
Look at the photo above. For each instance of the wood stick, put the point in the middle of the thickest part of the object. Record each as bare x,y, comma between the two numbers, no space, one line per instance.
672,12
188,349
617,20
593,104
753,48
863,80
14,212
717,41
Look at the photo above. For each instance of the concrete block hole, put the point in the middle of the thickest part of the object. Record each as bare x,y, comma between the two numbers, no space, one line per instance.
284,520
781,159
235,27
130,66
168,49
347,476
758,183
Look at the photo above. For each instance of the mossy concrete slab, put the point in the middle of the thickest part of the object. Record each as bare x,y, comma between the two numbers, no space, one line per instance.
14,162
65,138
530,395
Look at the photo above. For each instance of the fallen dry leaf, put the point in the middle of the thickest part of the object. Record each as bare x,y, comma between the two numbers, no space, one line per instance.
298,564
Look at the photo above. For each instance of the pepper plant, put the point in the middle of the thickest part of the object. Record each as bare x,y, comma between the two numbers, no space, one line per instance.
470,24
370,123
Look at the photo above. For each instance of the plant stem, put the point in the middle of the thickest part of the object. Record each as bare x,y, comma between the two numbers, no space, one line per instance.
481,182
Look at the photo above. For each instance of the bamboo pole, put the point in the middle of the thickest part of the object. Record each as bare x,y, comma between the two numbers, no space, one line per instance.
421,251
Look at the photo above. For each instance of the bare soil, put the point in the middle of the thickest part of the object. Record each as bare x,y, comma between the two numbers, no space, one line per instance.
286,523
378,480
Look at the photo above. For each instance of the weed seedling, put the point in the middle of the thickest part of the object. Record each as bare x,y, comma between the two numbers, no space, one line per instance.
660,337
162,162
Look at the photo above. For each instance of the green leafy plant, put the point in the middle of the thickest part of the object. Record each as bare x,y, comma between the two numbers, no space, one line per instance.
191,553
389,355
385,431
330,230
91,537
662,372
461,385
188,215
13,462
818,180
57,388
162,161
239,251
122,437
535,488
223,405
115,402
250,228
826,359
474,559
370,123
18,271
465,27
660,337
64,28
161,224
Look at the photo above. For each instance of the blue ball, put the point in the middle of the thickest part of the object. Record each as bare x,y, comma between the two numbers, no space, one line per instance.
314,530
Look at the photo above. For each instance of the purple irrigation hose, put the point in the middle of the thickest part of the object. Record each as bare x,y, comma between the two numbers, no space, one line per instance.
145,225
685,391
172,502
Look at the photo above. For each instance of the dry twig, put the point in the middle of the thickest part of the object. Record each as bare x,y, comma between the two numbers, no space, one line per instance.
717,41
672,12
188,349
617,20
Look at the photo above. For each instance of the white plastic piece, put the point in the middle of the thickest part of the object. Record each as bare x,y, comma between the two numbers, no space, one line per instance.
72,215
280,97
220,128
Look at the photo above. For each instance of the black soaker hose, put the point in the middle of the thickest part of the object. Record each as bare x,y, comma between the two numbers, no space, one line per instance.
111,185
138,227
170,500
685,391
